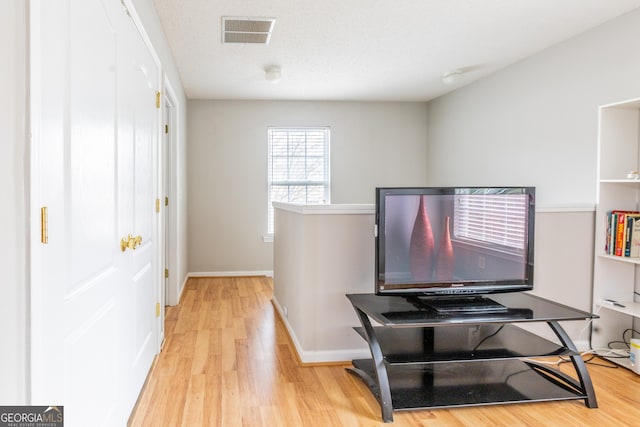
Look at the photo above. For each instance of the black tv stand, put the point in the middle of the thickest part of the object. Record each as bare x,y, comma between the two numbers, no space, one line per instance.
459,305
423,359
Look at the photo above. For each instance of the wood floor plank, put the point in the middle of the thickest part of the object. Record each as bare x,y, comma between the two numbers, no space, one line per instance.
194,402
228,361
232,404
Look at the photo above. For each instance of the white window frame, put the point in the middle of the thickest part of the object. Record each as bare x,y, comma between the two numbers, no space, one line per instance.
325,182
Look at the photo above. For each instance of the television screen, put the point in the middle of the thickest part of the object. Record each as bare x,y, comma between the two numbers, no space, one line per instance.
454,240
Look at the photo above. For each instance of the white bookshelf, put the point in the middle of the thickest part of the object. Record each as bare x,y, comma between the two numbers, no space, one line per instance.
616,278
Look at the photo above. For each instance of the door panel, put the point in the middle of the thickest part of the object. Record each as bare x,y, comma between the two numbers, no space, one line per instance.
91,144
144,291
95,132
92,341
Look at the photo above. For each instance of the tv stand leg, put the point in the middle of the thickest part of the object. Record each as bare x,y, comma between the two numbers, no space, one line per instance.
578,364
382,379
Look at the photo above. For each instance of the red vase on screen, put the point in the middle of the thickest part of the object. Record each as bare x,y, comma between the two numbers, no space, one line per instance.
422,245
444,262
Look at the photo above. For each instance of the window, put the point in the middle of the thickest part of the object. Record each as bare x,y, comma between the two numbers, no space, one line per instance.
498,221
298,167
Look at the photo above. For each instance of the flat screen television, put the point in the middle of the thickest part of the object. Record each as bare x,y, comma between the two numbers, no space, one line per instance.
454,241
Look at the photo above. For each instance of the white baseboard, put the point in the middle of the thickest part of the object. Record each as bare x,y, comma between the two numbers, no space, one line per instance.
319,356
582,345
333,356
268,273
184,286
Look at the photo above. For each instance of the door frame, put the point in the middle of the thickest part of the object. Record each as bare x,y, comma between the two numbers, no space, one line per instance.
170,180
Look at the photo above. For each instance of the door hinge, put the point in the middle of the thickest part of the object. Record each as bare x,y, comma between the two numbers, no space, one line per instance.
166,273
166,201
157,309
166,128
44,224
157,205
157,100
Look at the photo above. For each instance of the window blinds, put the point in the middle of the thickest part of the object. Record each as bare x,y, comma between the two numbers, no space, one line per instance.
298,167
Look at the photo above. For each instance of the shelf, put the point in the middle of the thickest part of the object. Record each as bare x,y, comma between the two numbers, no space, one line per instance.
462,343
620,258
471,383
630,307
620,181
397,312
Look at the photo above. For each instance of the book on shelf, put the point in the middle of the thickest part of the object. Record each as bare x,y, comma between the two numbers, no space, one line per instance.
623,233
634,245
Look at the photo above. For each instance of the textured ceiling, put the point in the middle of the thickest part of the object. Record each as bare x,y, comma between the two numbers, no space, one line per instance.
354,50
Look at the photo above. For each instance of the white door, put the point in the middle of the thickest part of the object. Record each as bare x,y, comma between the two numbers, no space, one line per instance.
93,153
138,124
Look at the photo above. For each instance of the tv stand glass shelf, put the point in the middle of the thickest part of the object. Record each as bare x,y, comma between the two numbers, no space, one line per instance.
423,359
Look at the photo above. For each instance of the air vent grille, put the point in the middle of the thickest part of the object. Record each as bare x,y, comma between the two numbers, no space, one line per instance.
247,30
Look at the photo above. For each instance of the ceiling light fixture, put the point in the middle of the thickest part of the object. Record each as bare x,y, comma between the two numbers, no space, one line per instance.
272,73
452,77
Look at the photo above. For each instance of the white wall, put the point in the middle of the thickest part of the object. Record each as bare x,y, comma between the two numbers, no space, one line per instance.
563,265
13,234
371,144
535,123
320,255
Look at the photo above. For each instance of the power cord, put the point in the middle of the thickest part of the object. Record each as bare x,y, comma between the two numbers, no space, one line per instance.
486,338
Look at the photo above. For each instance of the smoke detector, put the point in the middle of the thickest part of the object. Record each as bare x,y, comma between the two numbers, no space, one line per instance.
453,77
247,30
273,73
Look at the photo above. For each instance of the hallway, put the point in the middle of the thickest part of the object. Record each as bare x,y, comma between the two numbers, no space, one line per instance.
227,361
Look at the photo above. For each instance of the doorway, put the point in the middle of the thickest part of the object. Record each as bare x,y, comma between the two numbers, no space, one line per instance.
172,288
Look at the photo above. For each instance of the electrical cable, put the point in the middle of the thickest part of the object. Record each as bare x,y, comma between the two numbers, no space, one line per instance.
486,338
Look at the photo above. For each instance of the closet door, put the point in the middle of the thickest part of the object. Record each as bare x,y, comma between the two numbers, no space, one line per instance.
138,134
92,178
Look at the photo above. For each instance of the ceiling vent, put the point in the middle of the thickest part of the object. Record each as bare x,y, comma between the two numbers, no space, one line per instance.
247,30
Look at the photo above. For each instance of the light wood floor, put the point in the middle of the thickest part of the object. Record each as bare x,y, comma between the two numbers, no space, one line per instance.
227,361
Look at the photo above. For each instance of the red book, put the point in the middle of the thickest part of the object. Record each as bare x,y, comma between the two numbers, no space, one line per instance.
619,230
620,226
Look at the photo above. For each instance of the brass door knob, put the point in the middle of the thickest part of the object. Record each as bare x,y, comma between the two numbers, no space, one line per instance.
130,242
